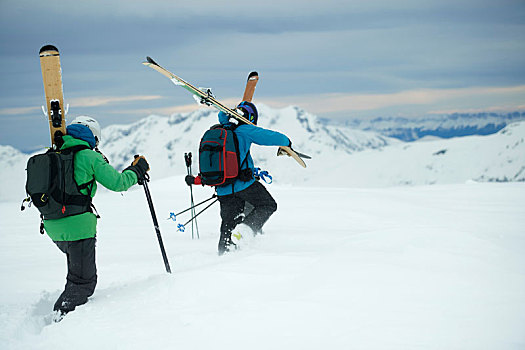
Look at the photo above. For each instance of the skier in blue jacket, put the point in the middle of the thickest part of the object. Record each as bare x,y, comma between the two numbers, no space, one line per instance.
233,198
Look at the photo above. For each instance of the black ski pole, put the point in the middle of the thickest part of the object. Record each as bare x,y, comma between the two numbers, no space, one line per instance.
195,206
187,159
144,182
199,213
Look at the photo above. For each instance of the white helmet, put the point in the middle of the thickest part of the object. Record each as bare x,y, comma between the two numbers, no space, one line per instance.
92,124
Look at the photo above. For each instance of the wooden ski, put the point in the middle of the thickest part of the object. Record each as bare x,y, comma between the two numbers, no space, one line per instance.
253,78
52,77
249,91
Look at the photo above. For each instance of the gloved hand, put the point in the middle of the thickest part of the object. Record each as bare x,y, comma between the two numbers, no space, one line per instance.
190,180
140,166
282,152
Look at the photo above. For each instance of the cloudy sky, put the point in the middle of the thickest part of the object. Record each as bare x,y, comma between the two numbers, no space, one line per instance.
337,59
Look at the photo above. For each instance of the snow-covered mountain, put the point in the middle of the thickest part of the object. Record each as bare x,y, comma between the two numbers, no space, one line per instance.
493,158
444,126
165,140
341,156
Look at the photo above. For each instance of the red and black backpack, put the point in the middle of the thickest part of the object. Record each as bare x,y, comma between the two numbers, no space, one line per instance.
219,158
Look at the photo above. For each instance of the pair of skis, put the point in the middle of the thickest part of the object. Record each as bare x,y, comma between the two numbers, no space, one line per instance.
206,97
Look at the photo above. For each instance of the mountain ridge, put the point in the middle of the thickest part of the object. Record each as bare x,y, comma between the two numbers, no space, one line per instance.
443,126
341,156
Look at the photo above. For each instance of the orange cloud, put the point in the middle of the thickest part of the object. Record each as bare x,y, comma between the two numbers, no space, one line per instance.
95,101
338,102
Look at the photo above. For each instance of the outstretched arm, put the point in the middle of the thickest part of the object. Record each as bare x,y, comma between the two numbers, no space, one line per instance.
110,178
263,137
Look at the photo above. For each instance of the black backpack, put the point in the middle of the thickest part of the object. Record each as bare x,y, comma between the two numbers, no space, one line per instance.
52,187
219,158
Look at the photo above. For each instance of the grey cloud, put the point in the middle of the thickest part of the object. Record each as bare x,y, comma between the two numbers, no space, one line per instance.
298,47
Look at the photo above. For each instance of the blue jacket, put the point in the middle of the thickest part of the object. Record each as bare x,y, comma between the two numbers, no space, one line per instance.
248,134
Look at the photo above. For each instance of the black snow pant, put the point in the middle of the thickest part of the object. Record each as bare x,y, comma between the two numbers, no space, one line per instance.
81,273
232,209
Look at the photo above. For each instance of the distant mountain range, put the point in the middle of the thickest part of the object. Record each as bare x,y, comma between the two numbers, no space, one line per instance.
443,126
341,155
166,139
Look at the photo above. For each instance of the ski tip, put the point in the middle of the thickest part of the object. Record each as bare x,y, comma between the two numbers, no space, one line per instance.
253,75
302,155
150,60
46,48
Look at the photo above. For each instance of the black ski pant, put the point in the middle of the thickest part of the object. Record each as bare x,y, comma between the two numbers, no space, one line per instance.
232,209
81,273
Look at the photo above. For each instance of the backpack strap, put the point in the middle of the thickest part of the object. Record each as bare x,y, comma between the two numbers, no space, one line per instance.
88,185
75,199
74,149
244,174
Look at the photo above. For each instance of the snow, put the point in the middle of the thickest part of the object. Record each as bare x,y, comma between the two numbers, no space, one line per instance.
421,267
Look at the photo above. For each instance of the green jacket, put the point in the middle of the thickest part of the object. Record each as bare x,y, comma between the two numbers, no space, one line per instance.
88,165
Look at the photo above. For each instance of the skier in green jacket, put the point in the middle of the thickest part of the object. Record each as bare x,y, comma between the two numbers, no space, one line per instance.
75,235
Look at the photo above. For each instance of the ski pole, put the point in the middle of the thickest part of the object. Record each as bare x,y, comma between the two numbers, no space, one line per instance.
199,213
144,182
187,159
195,206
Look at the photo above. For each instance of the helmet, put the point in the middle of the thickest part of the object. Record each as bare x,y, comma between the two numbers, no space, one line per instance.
249,111
92,124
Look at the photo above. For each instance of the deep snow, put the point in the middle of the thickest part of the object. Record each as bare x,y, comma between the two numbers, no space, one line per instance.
424,267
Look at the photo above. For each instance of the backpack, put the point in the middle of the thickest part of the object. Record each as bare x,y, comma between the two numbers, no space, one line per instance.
52,187
219,158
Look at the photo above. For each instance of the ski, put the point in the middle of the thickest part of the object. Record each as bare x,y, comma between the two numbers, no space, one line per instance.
300,155
52,78
205,97
253,78
251,83
208,99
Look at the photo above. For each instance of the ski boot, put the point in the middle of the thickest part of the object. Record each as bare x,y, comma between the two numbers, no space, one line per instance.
226,244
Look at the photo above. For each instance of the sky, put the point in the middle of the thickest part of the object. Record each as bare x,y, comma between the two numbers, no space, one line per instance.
336,59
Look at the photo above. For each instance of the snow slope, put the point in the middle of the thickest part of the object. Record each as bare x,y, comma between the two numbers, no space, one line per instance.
493,158
422,267
12,173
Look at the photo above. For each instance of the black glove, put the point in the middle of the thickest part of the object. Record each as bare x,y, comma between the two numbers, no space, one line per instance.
140,166
190,180
282,152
